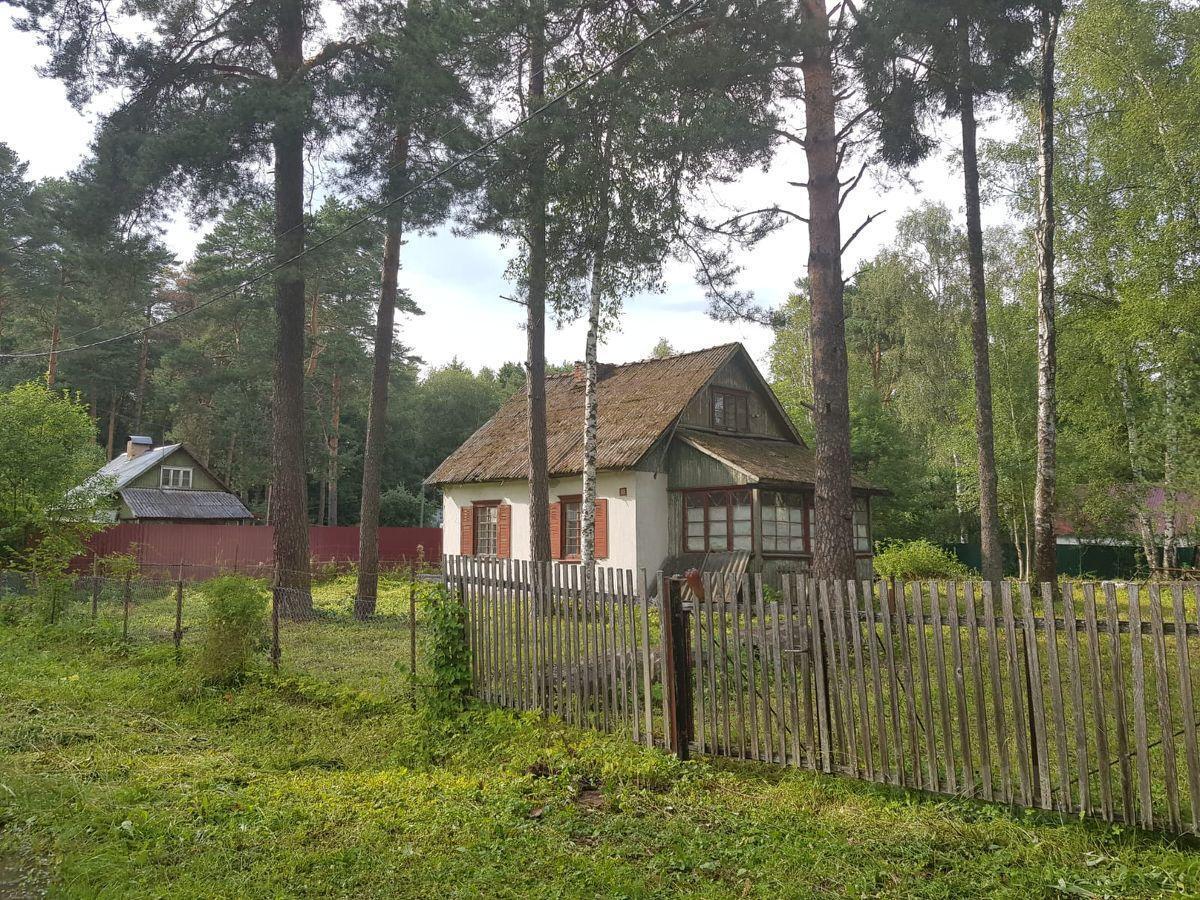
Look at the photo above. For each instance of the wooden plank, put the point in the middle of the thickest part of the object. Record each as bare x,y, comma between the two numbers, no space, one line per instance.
712,648
910,692
993,647
806,661
943,682
1120,725
1166,724
932,776
664,612
781,705
789,615
1099,705
623,659
1078,716
698,693
860,680
986,782
1037,701
728,598
883,772
1057,707
643,612
1137,671
628,666
751,679
1016,686
1186,704
843,692
821,676
889,639
960,688
764,652
739,655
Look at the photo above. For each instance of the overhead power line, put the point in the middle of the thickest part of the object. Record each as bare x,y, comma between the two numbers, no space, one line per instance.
366,217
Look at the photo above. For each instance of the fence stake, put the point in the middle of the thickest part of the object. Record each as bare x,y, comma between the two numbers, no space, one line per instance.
412,630
677,683
95,591
125,600
275,649
178,621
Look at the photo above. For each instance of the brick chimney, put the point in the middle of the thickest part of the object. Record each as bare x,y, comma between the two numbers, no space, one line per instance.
137,445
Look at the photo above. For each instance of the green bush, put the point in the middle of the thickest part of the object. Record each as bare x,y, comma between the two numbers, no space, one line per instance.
234,629
449,657
917,559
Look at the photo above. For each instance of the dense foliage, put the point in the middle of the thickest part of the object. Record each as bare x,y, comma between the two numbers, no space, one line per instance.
47,452
233,629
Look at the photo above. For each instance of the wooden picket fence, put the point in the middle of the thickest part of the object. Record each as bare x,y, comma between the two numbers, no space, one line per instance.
540,640
1081,703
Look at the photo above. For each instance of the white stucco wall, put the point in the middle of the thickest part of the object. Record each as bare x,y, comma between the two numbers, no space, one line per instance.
637,522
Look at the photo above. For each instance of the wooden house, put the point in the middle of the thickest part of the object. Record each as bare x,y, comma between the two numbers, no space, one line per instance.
168,484
695,457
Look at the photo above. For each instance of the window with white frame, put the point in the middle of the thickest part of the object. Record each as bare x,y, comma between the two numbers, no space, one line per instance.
862,525
175,477
486,528
717,520
783,522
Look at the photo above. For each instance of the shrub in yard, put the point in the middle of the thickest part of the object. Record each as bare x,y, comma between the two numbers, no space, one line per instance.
234,629
449,657
917,559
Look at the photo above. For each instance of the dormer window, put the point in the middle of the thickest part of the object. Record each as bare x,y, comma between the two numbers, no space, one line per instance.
730,410
175,477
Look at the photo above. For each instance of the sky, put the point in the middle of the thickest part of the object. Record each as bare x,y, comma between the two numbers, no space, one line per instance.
459,281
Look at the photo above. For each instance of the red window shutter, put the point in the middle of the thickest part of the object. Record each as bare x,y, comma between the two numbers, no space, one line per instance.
504,531
556,531
466,532
601,543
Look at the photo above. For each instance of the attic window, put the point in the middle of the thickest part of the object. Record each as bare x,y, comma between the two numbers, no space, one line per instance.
175,477
730,410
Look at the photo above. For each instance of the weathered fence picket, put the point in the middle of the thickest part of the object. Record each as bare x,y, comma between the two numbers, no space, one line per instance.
1019,694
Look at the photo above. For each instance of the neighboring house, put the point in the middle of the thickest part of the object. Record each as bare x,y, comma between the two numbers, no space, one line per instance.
168,484
695,456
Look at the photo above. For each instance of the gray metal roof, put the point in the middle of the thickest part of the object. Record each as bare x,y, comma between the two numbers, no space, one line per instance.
122,470
160,503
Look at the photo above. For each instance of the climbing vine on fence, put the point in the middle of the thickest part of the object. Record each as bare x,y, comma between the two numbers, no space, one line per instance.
449,657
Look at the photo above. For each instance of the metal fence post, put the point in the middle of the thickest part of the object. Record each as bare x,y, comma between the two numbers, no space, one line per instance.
126,600
95,591
275,648
178,622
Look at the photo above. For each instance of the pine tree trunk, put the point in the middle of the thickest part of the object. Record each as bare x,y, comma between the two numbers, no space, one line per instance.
52,365
587,532
535,323
139,399
289,502
833,550
989,518
335,424
1045,549
372,478
112,424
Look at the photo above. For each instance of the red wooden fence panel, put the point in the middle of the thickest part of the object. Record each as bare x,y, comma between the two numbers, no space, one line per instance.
201,551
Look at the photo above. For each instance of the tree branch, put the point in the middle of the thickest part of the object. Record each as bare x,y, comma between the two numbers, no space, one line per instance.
859,230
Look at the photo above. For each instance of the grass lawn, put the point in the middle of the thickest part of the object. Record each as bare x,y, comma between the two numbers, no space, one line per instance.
121,776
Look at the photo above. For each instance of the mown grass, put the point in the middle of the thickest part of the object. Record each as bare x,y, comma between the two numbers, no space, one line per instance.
121,775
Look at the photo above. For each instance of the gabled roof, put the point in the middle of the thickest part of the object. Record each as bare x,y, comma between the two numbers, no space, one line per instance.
763,460
158,503
122,470
637,403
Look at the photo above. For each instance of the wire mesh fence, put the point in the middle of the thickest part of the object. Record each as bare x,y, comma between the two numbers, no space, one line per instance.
315,632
